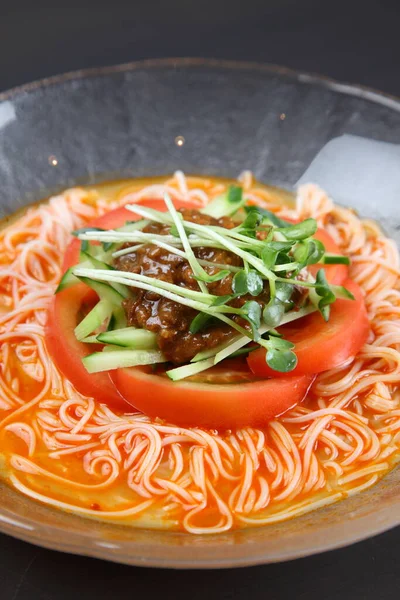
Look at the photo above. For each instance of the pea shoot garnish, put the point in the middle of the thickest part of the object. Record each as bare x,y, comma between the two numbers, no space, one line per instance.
269,283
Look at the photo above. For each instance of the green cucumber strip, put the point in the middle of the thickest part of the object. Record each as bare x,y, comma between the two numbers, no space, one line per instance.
121,359
92,251
230,346
341,292
134,226
110,236
94,319
103,290
69,279
140,339
106,292
119,318
211,352
99,264
190,369
235,346
243,351
109,246
111,323
334,259
95,261
226,204
91,339
88,261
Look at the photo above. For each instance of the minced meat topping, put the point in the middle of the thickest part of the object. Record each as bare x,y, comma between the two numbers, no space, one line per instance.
171,320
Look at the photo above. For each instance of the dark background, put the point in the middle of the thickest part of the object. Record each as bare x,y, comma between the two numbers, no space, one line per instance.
355,41
351,40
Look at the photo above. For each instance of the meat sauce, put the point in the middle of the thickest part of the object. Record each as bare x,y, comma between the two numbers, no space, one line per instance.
171,320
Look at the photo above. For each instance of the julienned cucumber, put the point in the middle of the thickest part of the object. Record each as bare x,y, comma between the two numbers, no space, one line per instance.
103,290
134,225
69,279
102,311
139,339
190,369
334,259
107,248
106,292
91,339
120,359
99,264
88,261
226,204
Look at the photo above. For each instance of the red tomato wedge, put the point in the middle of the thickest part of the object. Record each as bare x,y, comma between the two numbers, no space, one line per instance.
67,352
335,274
64,313
214,406
320,346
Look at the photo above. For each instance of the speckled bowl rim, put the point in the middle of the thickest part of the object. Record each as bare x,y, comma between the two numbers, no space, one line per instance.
27,529
360,91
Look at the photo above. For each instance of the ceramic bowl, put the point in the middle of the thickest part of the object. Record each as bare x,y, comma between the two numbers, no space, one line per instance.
124,122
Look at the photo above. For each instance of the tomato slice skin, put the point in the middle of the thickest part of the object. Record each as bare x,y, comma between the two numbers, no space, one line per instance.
320,346
211,406
335,274
67,353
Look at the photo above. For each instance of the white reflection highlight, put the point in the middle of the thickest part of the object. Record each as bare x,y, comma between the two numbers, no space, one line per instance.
7,114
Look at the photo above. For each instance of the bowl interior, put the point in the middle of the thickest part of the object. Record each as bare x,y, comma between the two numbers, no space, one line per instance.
124,122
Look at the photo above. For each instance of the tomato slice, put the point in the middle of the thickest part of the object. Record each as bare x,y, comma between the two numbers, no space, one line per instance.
211,406
320,346
64,312
335,274
67,353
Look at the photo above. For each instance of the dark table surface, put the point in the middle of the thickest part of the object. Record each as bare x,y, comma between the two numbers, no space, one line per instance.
355,41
